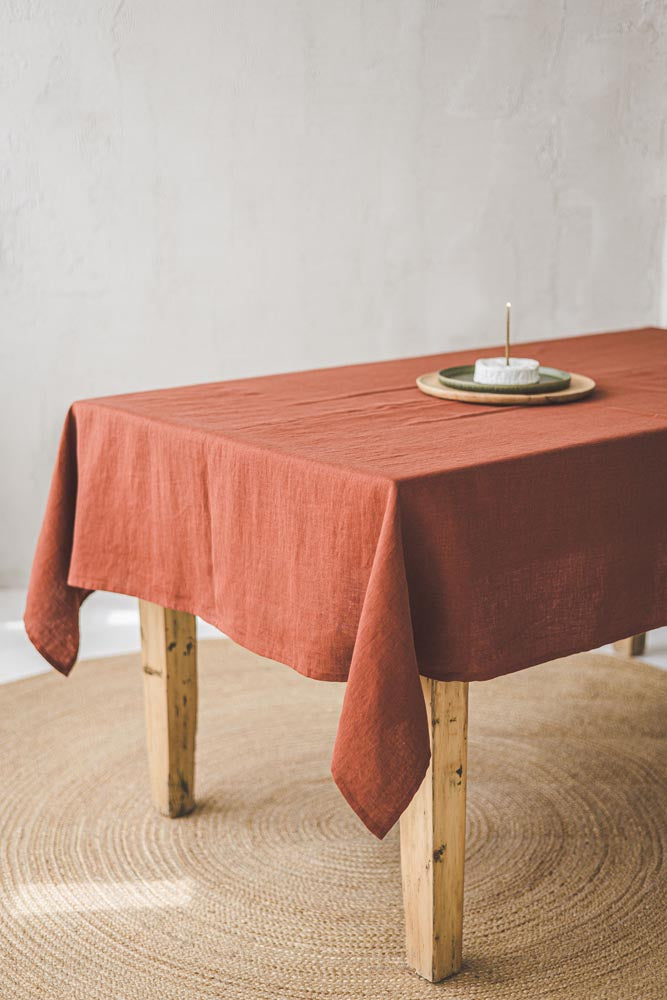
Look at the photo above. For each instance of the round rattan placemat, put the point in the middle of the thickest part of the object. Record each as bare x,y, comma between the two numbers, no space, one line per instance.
273,889
580,386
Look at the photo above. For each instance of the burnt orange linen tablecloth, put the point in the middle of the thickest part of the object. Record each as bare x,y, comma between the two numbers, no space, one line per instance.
345,524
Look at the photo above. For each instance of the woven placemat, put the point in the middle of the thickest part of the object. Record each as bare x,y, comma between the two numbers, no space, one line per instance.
273,889
580,387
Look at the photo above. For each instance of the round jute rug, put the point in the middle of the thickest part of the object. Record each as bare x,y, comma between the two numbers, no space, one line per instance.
273,889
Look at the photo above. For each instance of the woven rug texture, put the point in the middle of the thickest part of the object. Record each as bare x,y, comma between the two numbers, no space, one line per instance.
272,888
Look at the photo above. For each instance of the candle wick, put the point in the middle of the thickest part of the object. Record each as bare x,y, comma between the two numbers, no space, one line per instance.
507,335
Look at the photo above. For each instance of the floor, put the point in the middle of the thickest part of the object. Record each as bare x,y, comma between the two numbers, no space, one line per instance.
110,625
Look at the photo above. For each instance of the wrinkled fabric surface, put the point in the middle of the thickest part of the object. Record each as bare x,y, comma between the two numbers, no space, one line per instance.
343,523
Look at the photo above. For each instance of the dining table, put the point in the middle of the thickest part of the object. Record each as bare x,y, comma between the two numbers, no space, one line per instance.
344,523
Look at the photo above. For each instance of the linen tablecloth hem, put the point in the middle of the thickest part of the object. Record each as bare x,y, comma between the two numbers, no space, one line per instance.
63,667
231,632
339,677
376,827
600,639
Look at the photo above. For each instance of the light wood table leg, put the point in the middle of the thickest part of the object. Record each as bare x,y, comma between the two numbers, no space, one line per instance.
169,661
633,646
433,838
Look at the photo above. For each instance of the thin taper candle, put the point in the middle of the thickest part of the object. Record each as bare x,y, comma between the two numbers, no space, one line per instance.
507,334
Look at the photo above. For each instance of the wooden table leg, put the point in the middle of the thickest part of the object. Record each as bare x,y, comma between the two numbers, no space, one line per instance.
633,646
433,838
169,661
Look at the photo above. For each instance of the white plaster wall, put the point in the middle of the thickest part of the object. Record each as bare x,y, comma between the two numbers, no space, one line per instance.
197,191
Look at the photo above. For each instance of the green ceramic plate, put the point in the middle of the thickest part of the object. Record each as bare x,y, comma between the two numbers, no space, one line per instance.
461,377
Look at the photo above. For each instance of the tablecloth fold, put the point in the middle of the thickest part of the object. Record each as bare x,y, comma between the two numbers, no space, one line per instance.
382,746
52,607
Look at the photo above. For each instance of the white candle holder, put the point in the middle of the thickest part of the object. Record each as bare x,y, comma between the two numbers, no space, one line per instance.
507,371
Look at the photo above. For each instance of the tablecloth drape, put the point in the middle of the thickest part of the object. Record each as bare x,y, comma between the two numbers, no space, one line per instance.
343,523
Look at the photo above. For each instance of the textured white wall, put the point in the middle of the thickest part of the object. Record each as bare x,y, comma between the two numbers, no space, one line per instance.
197,191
